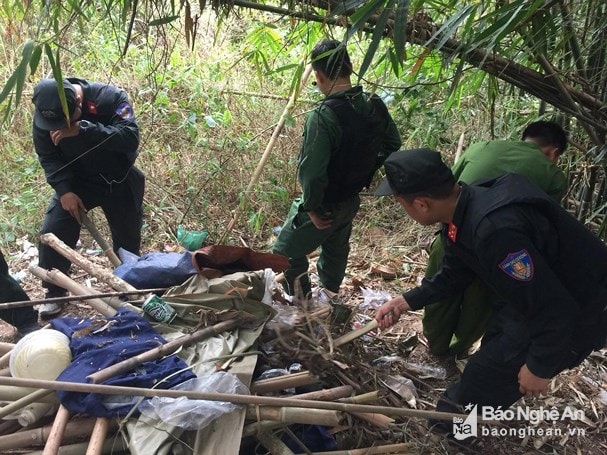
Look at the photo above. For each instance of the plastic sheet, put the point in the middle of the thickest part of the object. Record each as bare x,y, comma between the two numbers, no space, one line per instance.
195,414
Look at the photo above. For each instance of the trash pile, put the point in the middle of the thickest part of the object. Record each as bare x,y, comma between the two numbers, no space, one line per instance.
223,362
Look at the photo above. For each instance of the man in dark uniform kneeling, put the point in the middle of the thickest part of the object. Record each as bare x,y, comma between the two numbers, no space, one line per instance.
548,272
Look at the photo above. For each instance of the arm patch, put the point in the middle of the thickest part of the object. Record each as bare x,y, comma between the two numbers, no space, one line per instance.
518,266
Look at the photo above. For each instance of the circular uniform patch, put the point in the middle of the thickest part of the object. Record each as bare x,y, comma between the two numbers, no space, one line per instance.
125,111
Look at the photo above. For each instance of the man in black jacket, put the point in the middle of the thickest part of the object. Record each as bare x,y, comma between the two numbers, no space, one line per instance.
88,158
549,274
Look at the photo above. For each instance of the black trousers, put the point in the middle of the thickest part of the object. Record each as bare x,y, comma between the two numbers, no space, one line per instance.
491,375
10,291
122,204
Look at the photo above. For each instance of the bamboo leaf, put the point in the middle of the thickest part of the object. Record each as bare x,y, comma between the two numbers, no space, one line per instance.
448,29
10,83
345,6
163,20
378,33
35,59
54,61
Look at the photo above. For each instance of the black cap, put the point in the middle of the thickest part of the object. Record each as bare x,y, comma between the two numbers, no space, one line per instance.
413,171
49,113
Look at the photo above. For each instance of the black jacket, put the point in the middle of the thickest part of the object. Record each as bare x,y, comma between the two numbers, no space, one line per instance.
101,154
548,271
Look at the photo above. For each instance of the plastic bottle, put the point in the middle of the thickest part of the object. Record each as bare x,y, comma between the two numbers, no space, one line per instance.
426,371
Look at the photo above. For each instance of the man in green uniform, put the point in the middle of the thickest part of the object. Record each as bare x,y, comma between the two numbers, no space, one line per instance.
347,137
452,326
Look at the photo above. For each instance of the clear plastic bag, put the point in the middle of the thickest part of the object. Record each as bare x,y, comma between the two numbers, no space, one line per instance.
190,414
373,299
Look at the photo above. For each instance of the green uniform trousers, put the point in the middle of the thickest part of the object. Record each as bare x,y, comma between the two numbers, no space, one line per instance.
299,237
451,326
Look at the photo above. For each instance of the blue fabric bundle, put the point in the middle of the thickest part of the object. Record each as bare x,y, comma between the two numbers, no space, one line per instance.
127,335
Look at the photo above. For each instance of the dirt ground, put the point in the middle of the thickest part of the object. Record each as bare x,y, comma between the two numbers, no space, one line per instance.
398,354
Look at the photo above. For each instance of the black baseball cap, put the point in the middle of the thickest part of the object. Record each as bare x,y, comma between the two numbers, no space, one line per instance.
413,171
49,114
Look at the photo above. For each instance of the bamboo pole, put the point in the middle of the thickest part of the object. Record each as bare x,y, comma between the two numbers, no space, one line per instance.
229,397
112,446
6,347
274,445
266,154
100,430
94,270
161,351
22,402
295,415
283,382
107,249
60,279
71,298
326,394
12,393
75,430
57,430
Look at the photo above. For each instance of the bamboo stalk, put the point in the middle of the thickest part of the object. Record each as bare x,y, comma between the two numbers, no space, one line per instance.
355,334
107,249
283,382
326,394
274,445
22,402
94,270
161,351
12,393
229,397
114,445
266,154
60,279
403,449
56,434
295,415
97,440
71,298
6,347
363,398
75,430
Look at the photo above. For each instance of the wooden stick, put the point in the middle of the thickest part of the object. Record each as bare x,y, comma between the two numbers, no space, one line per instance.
23,402
355,334
71,298
94,270
56,435
230,397
98,436
266,154
161,351
60,279
283,382
107,250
